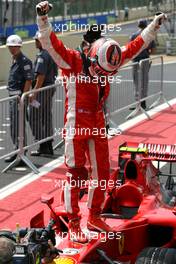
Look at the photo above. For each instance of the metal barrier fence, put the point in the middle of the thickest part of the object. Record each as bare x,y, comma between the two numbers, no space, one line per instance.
124,94
43,119
129,92
122,90
45,116
9,114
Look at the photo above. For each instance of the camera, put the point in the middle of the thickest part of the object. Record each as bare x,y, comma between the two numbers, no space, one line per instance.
27,254
32,244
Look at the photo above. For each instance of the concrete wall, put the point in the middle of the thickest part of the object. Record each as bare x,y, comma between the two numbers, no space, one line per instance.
141,12
134,13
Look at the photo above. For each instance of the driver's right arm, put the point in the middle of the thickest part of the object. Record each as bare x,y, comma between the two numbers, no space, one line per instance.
65,58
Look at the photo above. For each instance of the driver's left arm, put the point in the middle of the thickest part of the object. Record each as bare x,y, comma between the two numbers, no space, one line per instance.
133,48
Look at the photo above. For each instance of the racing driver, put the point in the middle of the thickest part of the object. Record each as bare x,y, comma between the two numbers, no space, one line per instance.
84,117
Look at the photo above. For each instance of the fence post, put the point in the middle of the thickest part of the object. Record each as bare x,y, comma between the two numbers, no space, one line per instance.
22,125
138,91
161,98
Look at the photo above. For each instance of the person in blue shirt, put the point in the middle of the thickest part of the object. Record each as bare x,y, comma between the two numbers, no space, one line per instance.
19,82
126,12
141,88
45,73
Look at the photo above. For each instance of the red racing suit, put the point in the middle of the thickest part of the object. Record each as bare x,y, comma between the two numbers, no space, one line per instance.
84,123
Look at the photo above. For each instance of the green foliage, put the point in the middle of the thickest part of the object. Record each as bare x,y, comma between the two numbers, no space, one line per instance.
82,7
23,33
75,7
93,6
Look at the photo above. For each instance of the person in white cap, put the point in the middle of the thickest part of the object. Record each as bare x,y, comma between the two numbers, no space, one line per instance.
19,81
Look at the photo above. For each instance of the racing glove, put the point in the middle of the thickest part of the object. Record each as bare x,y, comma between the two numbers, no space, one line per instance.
42,10
149,33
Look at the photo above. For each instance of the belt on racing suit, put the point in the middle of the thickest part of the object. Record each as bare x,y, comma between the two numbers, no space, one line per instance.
81,110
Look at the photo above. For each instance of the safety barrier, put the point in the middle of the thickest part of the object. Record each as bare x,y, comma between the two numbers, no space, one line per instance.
44,115
153,92
9,113
129,93
122,90
42,119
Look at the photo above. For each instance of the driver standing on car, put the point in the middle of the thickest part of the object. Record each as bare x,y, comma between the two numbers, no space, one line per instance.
83,112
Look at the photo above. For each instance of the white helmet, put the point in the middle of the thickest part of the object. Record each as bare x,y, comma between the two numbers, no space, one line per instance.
105,57
14,41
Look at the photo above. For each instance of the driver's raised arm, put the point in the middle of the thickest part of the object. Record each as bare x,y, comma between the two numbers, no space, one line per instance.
134,47
65,58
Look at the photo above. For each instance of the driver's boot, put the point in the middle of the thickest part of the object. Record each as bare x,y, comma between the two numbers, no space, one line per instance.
95,223
75,232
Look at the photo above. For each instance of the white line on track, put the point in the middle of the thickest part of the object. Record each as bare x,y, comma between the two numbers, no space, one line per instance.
29,178
168,62
151,81
156,64
164,81
128,124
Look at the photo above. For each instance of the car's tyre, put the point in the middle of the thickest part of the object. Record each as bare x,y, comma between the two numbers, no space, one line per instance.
153,255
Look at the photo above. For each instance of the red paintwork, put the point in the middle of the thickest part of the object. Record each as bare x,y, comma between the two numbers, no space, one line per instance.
154,223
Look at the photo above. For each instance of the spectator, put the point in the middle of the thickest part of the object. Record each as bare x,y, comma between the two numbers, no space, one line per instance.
141,86
45,72
20,81
126,12
7,248
84,113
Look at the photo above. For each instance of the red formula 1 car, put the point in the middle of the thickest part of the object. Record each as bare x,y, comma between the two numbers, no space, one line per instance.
140,210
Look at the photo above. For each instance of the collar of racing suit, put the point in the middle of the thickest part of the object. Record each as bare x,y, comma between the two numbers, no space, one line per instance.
86,65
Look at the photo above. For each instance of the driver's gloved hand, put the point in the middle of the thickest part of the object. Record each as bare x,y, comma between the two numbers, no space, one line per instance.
43,8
